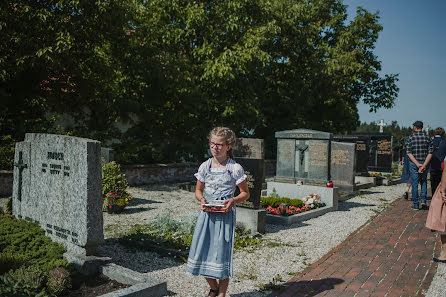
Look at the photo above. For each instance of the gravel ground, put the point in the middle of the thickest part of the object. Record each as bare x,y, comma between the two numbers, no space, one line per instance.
302,243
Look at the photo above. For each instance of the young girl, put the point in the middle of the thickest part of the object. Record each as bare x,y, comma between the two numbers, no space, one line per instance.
212,246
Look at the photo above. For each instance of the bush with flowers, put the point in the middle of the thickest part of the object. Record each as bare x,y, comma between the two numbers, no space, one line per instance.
114,186
310,202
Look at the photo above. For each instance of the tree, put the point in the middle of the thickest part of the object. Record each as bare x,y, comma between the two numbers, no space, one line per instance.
170,70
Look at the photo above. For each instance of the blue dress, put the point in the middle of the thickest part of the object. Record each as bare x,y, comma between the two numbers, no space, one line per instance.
405,174
212,245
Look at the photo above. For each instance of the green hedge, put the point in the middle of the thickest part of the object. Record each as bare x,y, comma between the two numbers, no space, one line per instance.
275,202
19,237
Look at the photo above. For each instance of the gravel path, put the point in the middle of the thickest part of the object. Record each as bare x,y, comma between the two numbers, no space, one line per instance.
301,244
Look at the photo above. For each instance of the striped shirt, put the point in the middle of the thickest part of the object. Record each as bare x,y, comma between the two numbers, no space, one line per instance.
419,145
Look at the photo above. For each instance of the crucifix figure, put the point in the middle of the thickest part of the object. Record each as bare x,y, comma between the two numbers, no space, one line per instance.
302,149
20,165
381,125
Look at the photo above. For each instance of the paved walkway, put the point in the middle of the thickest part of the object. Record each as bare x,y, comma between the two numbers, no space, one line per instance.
389,256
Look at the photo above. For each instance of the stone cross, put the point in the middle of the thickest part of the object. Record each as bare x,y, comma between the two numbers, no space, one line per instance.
20,165
381,125
427,129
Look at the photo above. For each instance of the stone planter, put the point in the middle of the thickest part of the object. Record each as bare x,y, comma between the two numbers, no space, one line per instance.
303,216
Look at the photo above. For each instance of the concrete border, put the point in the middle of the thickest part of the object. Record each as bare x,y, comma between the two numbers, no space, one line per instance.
142,284
303,216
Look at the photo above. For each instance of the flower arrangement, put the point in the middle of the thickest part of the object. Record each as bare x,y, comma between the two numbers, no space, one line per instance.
115,202
311,201
114,186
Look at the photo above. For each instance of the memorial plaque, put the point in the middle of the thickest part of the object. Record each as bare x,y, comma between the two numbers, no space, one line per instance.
251,148
303,155
343,156
58,184
286,150
380,151
362,151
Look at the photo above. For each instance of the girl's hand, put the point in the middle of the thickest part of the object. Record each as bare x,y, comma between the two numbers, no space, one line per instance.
203,201
229,204
443,195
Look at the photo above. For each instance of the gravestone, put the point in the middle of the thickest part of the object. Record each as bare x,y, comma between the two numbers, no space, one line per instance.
380,151
343,173
107,154
362,151
249,153
58,184
303,155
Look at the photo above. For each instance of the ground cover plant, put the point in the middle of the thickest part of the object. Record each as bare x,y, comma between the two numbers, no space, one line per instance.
170,237
30,263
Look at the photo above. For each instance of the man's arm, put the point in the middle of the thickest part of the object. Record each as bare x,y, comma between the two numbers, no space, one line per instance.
426,162
412,158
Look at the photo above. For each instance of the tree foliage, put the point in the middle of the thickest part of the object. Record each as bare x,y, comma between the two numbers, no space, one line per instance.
152,77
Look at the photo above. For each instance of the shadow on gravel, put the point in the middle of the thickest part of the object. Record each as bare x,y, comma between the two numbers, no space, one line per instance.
347,205
159,187
270,228
137,263
138,201
364,192
314,287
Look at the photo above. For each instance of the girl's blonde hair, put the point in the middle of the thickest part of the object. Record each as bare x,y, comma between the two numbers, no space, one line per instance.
227,134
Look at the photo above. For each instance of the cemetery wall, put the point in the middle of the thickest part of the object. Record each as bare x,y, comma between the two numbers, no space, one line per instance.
143,174
6,179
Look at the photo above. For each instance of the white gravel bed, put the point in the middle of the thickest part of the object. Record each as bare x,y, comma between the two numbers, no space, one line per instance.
306,242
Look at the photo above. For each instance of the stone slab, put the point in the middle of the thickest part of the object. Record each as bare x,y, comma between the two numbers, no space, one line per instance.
86,265
343,158
303,134
59,186
139,290
329,196
142,284
252,219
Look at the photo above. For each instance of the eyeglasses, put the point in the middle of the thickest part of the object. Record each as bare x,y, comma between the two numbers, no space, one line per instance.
217,145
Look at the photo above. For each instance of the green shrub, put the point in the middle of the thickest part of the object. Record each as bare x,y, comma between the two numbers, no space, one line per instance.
275,202
114,186
30,277
10,261
8,209
10,288
58,281
29,240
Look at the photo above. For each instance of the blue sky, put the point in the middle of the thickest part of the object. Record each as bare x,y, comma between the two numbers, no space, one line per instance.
413,44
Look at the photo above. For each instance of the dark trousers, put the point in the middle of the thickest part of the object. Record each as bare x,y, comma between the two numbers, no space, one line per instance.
435,179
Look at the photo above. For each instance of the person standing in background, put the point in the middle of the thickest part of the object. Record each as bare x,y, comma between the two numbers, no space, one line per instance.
405,174
436,170
419,150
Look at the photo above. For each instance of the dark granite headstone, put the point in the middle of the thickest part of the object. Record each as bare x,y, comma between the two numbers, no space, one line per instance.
362,151
343,157
248,152
380,151
303,155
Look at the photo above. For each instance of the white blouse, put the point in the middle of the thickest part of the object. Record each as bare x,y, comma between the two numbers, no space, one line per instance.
237,173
